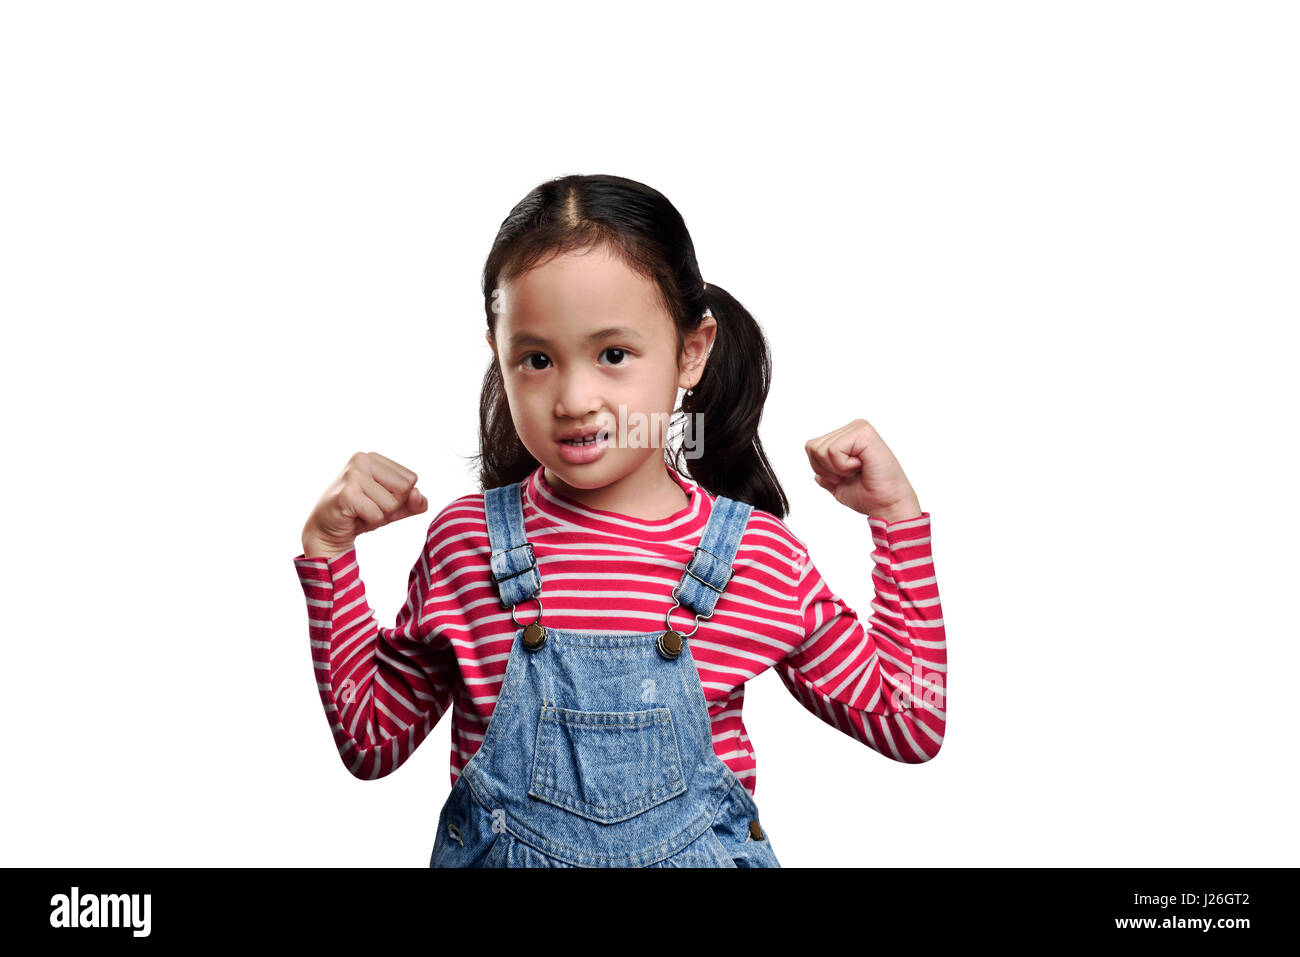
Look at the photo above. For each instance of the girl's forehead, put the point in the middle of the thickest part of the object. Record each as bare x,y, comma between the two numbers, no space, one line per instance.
577,297
578,276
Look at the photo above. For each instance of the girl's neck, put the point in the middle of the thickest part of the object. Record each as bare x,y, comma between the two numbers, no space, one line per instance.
649,494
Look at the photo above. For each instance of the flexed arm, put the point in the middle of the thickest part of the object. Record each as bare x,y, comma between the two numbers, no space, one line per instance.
383,689
884,683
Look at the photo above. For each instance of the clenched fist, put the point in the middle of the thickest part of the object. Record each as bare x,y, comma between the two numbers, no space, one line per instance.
855,465
372,491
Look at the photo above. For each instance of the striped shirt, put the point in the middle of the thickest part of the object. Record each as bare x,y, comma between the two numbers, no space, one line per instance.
384,689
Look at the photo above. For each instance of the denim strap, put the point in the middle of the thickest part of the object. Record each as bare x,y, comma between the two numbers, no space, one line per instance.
707,575
514,567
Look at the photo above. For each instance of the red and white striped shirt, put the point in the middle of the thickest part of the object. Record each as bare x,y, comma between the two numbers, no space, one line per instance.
385,688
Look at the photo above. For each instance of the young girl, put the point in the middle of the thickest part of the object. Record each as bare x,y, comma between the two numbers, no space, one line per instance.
591,617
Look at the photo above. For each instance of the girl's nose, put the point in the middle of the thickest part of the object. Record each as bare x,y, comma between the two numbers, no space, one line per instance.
576,399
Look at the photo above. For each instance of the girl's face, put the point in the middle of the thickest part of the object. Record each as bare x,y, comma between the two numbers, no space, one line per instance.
583,342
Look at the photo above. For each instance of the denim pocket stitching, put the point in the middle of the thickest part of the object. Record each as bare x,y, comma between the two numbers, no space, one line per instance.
556,773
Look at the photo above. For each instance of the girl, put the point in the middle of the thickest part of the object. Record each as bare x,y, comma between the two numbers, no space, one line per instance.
592,615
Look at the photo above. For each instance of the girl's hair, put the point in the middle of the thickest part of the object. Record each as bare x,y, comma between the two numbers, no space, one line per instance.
645,231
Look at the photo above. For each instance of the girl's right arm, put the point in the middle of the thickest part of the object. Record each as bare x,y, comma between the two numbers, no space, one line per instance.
383,689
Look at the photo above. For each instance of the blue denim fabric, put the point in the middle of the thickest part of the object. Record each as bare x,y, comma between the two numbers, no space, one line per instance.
599,752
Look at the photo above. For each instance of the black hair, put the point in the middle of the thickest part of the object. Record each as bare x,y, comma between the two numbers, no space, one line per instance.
645,231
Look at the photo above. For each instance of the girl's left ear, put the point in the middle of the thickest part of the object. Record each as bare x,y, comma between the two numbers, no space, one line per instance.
696,350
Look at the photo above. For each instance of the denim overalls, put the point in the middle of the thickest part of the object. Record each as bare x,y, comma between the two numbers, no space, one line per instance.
599,752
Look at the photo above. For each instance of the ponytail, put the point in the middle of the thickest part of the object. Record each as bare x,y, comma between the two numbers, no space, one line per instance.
729,400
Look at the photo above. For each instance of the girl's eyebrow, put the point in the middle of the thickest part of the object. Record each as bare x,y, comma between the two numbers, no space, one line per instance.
616,332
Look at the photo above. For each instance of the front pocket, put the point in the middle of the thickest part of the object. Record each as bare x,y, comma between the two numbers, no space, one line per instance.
606,765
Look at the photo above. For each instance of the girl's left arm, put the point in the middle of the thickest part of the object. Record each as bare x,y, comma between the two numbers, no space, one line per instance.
883,684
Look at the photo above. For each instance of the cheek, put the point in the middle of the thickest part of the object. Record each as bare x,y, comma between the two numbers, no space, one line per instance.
526,405
513,401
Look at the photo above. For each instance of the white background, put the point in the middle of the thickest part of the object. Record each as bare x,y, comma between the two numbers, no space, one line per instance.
1048,250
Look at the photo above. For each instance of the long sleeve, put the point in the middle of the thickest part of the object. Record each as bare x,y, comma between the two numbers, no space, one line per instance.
883,684
383,689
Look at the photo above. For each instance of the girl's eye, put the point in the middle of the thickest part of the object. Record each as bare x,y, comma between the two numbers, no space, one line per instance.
619,357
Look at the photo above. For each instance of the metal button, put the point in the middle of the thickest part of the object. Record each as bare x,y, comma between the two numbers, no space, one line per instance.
670,644
755,831
534,636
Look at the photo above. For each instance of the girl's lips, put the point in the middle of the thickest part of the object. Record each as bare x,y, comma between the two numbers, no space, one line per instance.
582,453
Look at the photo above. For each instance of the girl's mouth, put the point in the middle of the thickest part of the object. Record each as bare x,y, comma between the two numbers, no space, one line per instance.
589,440
583,451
